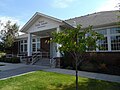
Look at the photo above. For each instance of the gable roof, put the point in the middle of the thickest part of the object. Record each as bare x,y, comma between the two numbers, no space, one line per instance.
34,18
96,19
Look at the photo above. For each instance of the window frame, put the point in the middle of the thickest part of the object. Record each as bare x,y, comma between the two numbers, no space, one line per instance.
108,35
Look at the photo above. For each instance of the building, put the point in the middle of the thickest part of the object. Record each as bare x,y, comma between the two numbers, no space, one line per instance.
38,31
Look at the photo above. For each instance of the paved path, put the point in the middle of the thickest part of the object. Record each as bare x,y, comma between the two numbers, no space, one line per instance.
106,77
20,70
9,66
30,68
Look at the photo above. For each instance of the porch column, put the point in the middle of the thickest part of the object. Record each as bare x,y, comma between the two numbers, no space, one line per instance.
57,45
29,44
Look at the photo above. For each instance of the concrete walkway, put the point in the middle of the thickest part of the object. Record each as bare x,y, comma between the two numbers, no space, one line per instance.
21,70
9,66
106,77
30,68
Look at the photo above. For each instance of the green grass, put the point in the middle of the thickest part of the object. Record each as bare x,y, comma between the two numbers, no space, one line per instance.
41,80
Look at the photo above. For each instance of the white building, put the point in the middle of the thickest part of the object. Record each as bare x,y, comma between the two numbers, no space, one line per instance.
38,30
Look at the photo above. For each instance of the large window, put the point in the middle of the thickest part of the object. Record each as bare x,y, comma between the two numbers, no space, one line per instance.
115,42
35,44
103,44
115,38
112,39
23,46
115,30
102,31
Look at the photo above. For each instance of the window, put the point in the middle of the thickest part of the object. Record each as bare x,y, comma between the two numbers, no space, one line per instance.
25,41
103,44
21,41
34,47
35,44
38,46
38,39
21,48
114,30
33,40
23,45
115,42
102,31
111,41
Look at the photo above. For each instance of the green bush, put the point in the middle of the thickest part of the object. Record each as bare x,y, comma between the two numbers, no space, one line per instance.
10,60
15,60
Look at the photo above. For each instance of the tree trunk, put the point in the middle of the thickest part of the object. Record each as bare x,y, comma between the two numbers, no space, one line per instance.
76,76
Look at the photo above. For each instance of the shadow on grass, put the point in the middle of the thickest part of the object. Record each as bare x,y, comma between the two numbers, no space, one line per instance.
91,84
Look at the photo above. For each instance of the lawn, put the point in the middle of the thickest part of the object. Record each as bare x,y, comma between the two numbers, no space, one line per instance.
41,80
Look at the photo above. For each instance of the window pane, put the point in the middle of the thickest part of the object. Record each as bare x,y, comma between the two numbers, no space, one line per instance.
114,30
25,41
38,46
115,42
33,40
25,47
38,39
33,47
21,41
21,48
103,44
104,31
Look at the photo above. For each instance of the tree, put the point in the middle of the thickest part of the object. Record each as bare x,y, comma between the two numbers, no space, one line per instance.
8,33
77,41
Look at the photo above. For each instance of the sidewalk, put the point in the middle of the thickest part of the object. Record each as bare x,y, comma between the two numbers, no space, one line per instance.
21,70
106,77
9,66
31,68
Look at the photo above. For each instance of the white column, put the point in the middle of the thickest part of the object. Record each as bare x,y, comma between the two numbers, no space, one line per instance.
57,45
108,39
29,44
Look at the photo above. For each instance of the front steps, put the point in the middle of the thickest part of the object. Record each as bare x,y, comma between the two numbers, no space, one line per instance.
43,62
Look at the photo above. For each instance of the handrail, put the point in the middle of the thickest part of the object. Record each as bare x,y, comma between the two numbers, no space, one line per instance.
21,56
52,62
37,55
34,58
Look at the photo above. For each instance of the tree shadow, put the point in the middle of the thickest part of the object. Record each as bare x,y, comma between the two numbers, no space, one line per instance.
92,84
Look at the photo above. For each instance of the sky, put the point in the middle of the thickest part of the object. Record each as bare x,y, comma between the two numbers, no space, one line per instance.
21,11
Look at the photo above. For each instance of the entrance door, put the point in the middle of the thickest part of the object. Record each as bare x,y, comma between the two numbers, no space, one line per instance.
45,46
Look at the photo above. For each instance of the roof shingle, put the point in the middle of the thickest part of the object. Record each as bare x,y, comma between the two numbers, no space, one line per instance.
96,19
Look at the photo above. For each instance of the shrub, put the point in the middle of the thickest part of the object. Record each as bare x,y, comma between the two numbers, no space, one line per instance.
15,60
10,60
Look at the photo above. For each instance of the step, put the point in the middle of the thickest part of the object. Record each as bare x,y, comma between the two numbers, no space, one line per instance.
43,62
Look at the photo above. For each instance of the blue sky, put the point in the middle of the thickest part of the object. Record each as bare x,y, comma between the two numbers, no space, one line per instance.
21,11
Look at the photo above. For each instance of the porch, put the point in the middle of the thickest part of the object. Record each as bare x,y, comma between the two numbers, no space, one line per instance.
38,49
41,26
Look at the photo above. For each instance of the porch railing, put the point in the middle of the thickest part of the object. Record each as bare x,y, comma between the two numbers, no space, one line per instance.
37,55
52,62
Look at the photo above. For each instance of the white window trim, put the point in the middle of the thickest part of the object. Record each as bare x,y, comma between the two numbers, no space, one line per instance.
108,40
